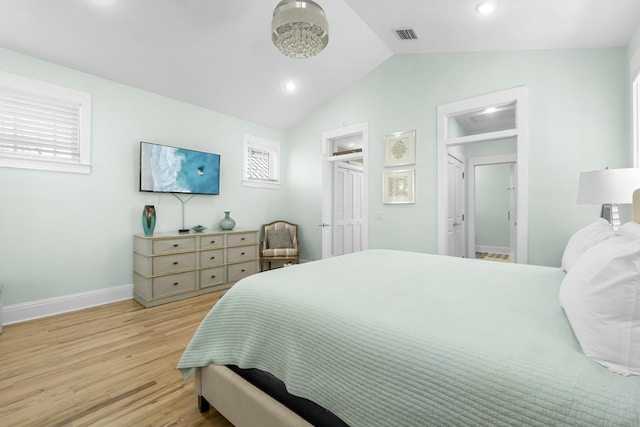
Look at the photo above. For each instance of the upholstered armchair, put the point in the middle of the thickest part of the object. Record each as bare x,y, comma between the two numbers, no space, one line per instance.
279,242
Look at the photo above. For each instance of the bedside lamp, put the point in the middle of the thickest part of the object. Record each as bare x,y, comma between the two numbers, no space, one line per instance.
608,187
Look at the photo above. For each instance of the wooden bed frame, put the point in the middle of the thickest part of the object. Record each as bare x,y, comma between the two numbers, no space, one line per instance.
239,401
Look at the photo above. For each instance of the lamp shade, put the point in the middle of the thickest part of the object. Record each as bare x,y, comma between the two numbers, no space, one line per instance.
608,186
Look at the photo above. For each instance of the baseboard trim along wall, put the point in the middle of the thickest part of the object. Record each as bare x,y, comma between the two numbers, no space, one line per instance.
22,312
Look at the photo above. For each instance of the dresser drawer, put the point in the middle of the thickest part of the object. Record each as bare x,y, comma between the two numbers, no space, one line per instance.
241,253
212,242
211,258
170,263
175,283
212,276
163,246
242,239
236,272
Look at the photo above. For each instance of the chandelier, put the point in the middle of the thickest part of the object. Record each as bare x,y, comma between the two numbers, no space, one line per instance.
299,29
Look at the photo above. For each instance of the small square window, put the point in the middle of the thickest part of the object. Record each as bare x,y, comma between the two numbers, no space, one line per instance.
261,162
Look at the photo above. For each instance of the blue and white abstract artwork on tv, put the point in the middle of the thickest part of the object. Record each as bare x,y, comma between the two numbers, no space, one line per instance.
166,169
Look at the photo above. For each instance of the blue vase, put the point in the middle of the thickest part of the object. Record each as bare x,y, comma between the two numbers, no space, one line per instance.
227,223
149,220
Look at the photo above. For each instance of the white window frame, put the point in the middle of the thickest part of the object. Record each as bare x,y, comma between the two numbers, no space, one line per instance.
635,85
46,92
273,148
634,72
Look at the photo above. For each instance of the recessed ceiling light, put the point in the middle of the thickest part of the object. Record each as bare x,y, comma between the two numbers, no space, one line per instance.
290,87
486,8
491,110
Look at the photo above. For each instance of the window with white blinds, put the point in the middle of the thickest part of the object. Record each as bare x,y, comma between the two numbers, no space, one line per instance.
43,126
261,162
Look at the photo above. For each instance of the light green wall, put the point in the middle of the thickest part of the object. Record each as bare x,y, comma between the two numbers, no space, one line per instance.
578,121
65,233
634,45
492,205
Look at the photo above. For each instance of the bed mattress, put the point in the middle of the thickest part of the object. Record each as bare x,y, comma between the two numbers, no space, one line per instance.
384,338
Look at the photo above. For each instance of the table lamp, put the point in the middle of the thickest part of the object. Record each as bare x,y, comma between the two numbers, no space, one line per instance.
608,187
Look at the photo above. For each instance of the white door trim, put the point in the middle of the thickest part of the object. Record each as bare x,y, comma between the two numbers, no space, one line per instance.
328,160
518,95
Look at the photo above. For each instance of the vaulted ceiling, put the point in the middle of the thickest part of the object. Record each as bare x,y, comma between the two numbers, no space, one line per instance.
219,55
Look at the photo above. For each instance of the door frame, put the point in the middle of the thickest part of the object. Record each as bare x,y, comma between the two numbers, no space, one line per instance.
520,132
471,191
328,159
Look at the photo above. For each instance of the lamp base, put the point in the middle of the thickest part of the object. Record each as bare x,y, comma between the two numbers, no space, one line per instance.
610,213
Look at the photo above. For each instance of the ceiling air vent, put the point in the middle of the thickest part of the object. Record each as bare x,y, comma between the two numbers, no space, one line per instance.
406,33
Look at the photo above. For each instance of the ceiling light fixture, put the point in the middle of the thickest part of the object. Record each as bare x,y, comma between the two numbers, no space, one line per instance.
486,8
299,29
290,86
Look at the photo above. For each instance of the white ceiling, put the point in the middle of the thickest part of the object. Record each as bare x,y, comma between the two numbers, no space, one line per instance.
218,54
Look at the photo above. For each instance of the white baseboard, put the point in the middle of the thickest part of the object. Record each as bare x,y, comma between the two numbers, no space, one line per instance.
22,312
500,250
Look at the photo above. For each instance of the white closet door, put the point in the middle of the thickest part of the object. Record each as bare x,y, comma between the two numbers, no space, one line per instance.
347,215
455,211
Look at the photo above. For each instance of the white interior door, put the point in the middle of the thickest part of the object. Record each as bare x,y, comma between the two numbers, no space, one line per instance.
455,211
347,209
344,190
513,213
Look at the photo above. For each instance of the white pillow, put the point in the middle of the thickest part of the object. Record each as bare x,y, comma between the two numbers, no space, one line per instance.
601,298
584,239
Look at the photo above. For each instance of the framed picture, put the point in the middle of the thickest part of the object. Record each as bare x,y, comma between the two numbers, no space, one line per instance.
400,148
398,187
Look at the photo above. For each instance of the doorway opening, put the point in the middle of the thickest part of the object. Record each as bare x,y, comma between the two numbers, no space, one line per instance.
345,190
465,129
492,208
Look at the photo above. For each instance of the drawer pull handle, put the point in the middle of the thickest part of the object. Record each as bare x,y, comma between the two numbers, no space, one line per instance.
213,257
175,245
242,253
213,242
213,277
176,283
242,238
175,262
242,270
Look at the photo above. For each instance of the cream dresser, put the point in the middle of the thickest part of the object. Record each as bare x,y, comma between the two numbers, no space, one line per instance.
173,266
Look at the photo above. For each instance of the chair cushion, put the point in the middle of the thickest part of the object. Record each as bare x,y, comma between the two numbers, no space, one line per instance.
279,239
283,252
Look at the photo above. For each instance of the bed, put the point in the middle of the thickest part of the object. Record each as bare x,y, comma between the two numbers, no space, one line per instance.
393,338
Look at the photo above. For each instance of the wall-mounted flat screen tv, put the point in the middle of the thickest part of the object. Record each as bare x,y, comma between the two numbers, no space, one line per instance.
166,169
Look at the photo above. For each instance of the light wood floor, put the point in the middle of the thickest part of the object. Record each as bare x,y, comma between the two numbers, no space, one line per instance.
113,365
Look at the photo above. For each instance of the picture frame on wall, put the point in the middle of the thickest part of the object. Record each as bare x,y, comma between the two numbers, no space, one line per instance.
400,148
398,186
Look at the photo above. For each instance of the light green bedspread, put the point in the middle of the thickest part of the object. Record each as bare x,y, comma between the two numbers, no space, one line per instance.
391,338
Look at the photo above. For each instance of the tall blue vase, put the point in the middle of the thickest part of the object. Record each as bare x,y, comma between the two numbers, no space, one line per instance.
149,220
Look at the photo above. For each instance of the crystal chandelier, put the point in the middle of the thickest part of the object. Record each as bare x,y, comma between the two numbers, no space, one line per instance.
299,29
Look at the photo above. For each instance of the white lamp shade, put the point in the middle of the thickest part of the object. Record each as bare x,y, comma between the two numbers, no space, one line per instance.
608,186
